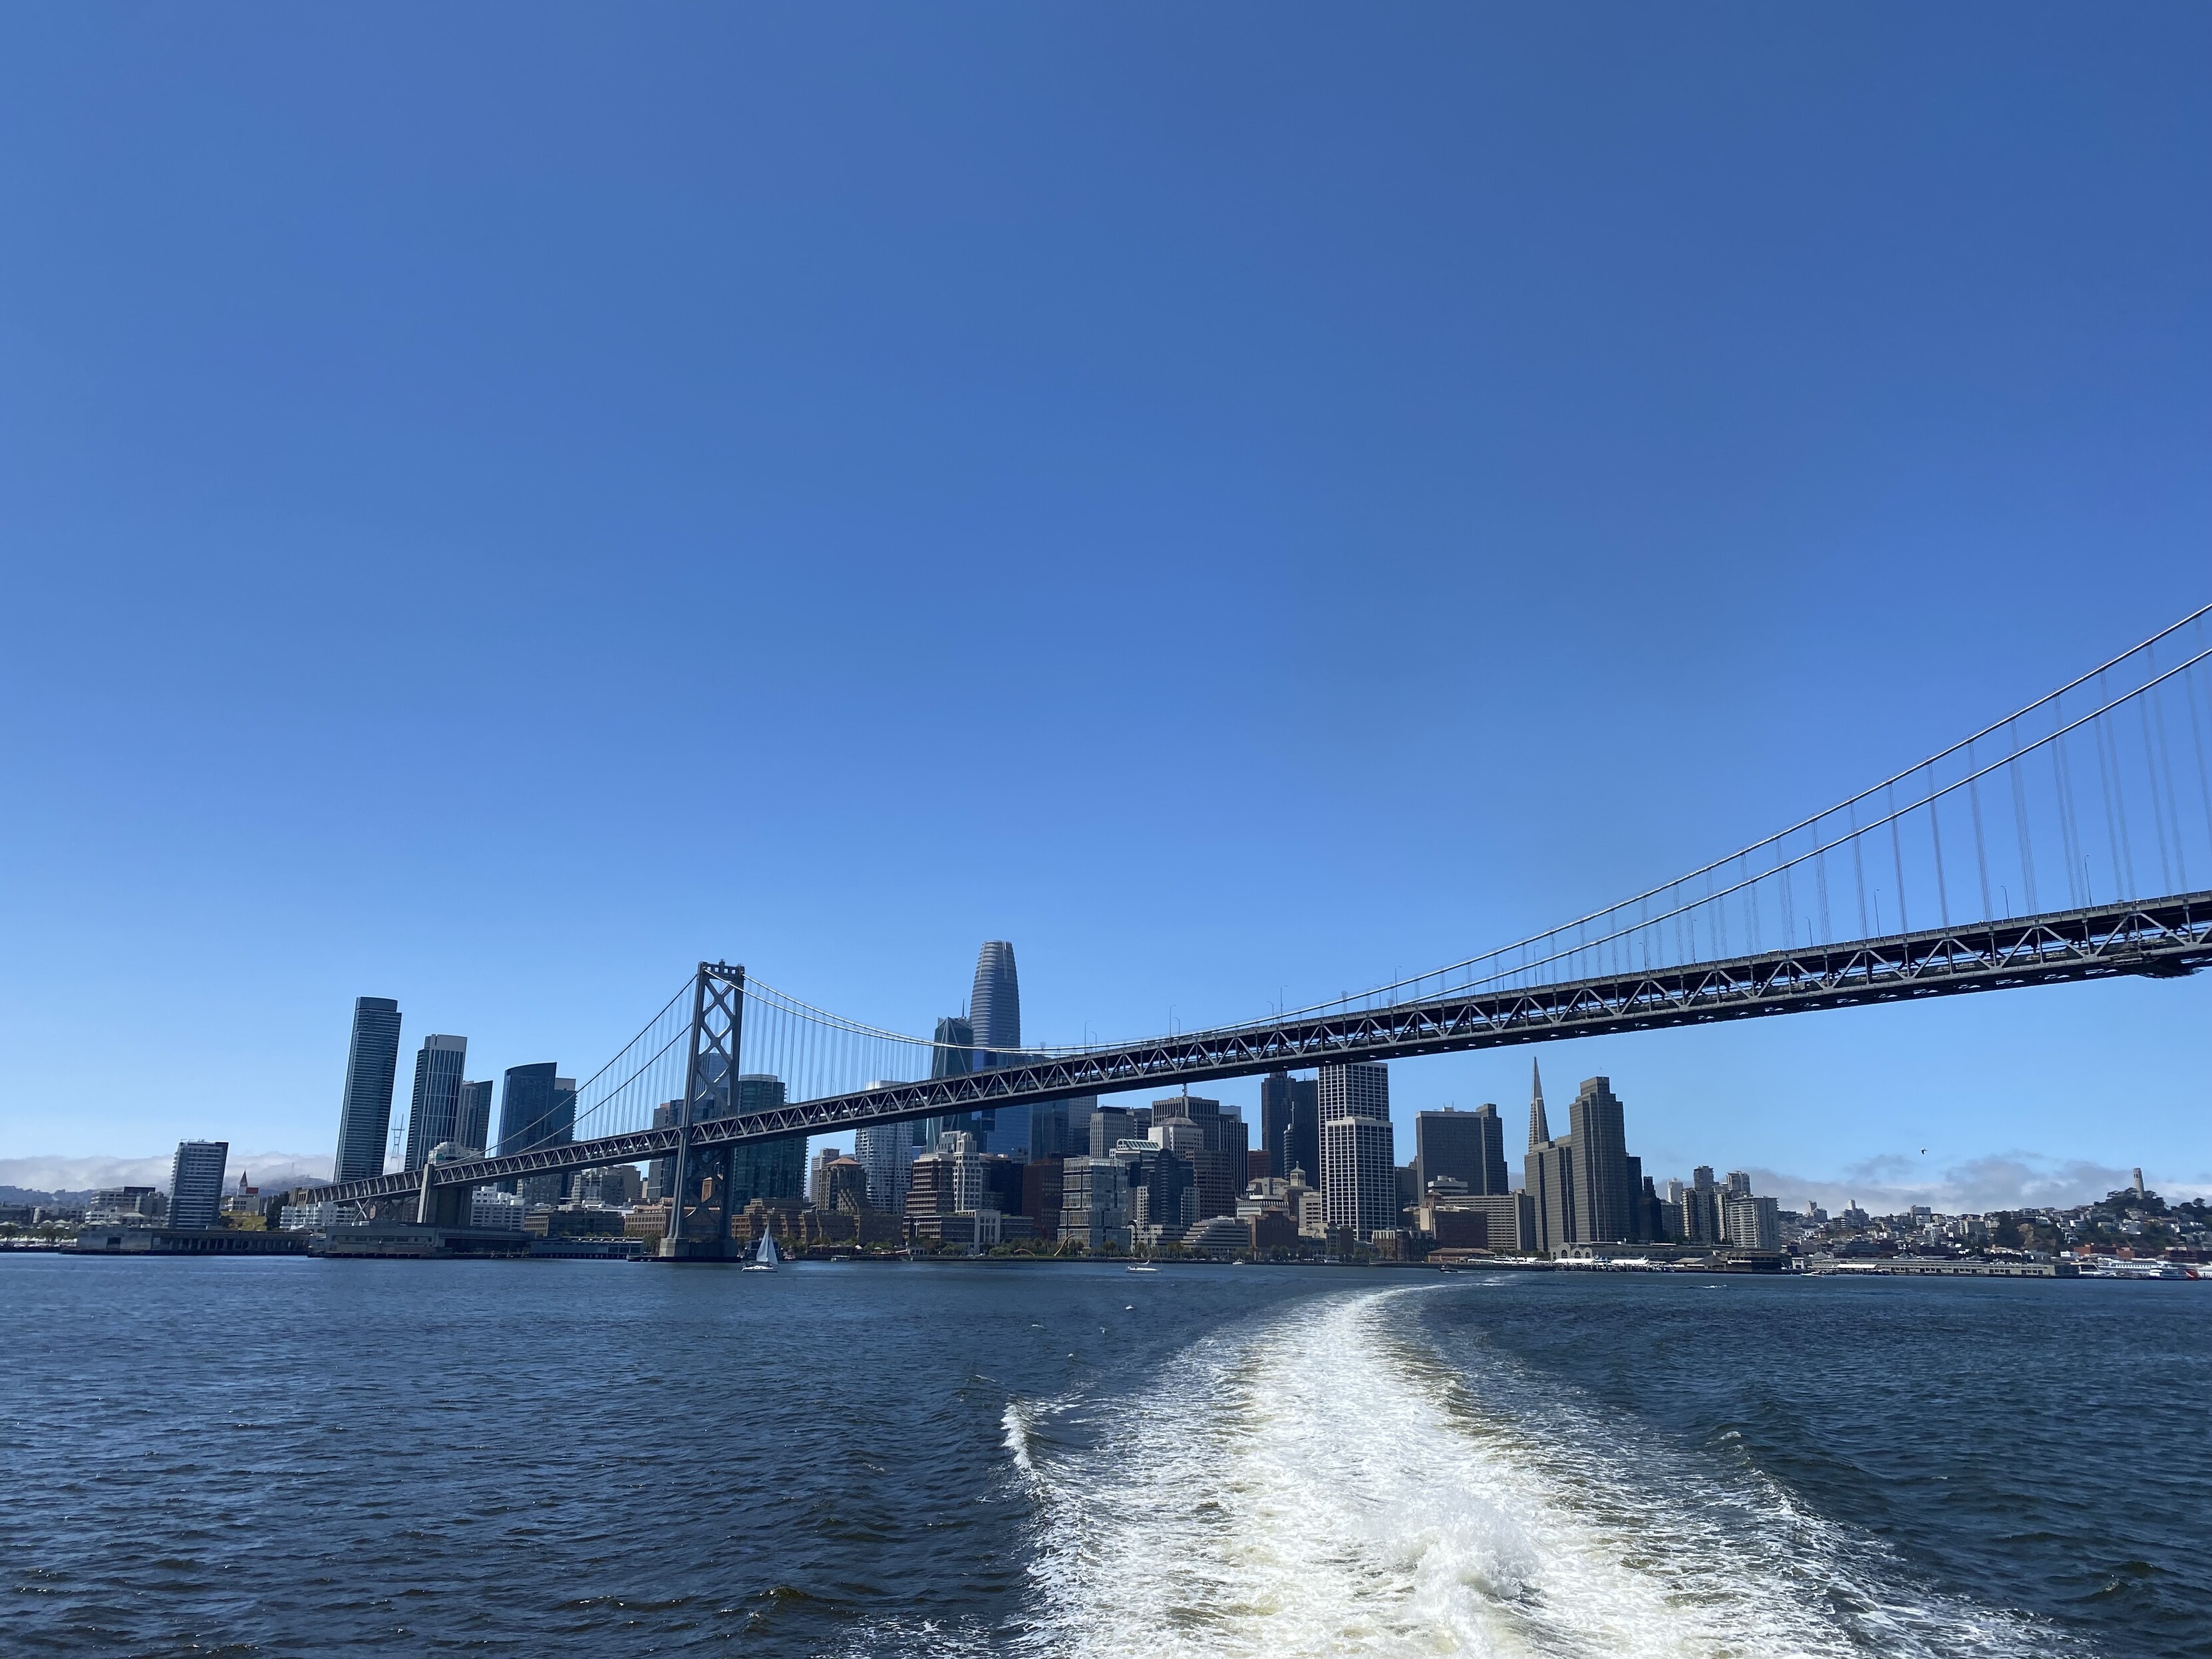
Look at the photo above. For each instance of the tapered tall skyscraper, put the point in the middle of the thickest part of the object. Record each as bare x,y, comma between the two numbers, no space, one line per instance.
365,1114
994,1008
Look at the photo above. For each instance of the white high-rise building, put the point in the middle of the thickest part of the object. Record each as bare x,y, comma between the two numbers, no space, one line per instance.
884,1154
1359,1089
1359,1149
196,1183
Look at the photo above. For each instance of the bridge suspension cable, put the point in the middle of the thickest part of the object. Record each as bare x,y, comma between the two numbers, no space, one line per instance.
2075,799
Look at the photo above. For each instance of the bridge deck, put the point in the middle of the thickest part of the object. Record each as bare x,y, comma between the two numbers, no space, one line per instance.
2161,937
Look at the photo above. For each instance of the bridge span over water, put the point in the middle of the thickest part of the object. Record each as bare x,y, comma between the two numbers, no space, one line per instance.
2103,786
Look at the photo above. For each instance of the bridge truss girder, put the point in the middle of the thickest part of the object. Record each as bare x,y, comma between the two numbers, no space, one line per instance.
2165,938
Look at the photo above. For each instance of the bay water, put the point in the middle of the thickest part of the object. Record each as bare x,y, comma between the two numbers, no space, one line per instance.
307,1457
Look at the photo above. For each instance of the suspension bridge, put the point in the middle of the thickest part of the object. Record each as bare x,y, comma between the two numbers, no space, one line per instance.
2065,842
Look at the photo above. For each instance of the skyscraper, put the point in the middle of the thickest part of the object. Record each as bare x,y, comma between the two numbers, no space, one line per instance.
1585,1187
1467,1146
995,1005
1216,1152
994,1010
1548,1175
528,1110
954,1056
434,1110
1358,1151
1062,1128
765,1168
882,1150
196,1183
365,1114
472,1117
1359,1088
1290,1124
1360,1175
1605,1194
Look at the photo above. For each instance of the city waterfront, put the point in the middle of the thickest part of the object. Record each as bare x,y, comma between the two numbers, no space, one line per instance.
297,1457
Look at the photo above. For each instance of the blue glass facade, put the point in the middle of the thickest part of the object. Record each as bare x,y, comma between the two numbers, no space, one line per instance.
365,1112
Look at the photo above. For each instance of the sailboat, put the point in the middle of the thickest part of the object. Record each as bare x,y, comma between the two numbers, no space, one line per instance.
765,1260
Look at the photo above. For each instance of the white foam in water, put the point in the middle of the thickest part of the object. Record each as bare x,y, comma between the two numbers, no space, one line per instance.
1326,1484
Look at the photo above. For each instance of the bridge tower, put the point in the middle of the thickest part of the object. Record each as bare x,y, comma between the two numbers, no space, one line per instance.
699,1199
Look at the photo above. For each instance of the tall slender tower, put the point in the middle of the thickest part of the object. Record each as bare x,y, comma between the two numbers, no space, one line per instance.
1538,1131
365,1114
995,1007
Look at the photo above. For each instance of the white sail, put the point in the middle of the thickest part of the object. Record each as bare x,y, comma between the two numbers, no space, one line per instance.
766,1255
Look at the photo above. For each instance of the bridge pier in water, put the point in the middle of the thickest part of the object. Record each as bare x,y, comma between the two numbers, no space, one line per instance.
442,1205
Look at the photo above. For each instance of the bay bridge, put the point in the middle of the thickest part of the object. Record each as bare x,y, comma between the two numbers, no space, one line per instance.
2070,840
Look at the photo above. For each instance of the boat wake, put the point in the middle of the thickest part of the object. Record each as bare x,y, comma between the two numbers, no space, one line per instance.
1325,1483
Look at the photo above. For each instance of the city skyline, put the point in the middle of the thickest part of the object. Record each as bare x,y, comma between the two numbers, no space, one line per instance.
1583,1184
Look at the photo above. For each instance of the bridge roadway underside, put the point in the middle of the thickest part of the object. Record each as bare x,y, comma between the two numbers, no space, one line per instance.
2164,939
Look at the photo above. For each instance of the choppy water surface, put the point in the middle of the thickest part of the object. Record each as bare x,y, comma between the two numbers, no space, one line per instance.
311,1458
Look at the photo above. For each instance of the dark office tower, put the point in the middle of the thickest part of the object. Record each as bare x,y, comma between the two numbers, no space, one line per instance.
1217,1159
1468,1146
196,1183
660,1174
527,1108
771,1170
434,1112
1109,1127
1062,1128
472,1117
1275,1114
1300,1144
953,1056
365,1114
1604,1202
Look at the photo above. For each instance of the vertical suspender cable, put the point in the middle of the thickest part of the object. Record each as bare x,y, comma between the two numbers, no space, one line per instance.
1858,867
2070,828
1981,851
2190,688
1936,834
2016,770
1897,859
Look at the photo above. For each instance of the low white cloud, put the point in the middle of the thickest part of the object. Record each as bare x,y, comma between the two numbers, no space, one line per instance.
69,1175
1894,1182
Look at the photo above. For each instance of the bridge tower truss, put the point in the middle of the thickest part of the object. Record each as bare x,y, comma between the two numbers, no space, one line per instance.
699,1203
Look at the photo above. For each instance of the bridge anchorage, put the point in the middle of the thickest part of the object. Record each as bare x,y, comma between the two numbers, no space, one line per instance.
2079,796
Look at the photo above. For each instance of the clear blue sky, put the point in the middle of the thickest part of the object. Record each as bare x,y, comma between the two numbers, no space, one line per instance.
500,502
